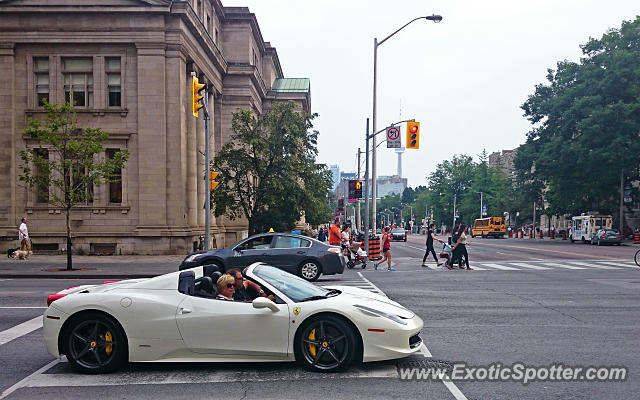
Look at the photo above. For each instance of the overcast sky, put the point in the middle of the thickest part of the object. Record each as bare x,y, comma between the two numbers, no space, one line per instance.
464,79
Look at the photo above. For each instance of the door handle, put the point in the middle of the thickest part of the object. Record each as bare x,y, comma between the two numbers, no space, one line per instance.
185,311
300,252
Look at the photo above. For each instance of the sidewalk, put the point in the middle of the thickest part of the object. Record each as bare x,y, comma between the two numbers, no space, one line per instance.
89,267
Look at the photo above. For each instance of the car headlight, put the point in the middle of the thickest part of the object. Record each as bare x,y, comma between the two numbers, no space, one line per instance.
192,257
379,313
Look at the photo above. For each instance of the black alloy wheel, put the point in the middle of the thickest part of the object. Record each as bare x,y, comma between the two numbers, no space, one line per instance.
95,344
326,344
310,270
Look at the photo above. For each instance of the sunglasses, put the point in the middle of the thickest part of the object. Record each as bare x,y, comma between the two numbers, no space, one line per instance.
230,285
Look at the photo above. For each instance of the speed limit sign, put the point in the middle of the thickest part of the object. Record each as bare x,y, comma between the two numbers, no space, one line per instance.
393,137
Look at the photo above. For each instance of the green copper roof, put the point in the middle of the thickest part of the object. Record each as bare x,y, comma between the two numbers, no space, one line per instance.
291,85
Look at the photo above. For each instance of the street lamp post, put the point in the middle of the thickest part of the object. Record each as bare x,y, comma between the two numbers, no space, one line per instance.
481,206
434,18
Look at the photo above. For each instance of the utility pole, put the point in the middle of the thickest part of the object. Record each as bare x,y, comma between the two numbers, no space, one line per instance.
621,203
455,195
366,191
358,217
534,219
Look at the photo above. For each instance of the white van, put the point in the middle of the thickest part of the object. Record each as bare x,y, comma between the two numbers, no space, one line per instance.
583,227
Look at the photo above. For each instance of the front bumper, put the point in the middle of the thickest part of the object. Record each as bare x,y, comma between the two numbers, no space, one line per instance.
398,342
52,322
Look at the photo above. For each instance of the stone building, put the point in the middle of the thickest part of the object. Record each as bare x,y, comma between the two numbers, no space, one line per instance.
128,64
503,161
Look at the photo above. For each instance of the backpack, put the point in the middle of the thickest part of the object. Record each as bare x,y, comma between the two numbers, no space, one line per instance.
321,236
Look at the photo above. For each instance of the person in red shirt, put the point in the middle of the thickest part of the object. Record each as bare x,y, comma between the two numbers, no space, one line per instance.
335,234
386,249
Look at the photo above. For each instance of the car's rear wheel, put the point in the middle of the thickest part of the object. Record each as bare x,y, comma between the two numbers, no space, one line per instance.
310,270
95,343
327,344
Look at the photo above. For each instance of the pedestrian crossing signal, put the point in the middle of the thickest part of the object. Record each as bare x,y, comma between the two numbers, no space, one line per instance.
413,135
355,189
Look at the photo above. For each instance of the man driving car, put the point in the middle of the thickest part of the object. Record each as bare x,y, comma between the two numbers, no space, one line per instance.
245,289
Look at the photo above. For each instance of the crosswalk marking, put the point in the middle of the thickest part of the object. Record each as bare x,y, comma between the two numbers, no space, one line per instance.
498,266
618,264
530,266
20,330
555,265
592,265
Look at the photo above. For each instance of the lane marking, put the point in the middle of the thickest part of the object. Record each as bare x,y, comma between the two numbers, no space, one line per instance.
25,381
502,267
425,351
524,265
372,285
20,330
546,250
619,264
563,266
38,379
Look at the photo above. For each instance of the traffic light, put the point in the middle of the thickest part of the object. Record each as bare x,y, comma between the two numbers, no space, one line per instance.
413,135
358,190
212,176
196,97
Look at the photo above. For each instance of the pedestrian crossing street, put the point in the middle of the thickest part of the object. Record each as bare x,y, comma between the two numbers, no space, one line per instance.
546,265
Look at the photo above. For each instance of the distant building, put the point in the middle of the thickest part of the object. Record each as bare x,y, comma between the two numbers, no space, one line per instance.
390,185
335,175
503,161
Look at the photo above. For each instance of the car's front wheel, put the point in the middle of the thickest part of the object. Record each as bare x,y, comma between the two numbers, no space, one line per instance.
310,270
95,343
327,344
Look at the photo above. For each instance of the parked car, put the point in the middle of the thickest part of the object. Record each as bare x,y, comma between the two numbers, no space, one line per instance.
399,234
297,254
606,236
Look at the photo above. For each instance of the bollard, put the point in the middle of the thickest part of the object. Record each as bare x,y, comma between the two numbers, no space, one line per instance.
564,235
540,234
531,236
374,249
636,238
521,234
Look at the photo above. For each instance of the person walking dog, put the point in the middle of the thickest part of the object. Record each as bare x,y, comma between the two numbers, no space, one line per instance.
430,238
23,236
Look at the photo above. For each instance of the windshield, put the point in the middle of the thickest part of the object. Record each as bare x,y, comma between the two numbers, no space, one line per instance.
291,286
398,230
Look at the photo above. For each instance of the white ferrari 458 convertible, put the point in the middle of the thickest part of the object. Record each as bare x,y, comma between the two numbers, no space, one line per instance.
176,318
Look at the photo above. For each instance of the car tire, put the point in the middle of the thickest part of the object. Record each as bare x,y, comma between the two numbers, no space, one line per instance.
310,271
335,350
85,343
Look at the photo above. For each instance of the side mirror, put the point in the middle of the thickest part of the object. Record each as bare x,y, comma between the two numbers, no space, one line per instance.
263,302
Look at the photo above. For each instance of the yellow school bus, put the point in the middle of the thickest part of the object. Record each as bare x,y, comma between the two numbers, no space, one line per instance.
493,226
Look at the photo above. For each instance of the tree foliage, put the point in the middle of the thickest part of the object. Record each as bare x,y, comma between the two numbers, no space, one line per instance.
586,126
268,172
65,166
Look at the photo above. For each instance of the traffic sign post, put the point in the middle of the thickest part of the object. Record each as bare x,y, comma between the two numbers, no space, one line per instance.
393,137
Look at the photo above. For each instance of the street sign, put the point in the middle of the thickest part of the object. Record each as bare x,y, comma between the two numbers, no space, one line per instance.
393,137
484,210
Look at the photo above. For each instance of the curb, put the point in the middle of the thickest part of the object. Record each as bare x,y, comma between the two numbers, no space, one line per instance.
76,276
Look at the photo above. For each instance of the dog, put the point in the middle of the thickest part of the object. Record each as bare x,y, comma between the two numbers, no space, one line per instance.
22,254
11,251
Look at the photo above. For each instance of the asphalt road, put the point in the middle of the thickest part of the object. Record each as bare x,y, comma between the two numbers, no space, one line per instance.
527,301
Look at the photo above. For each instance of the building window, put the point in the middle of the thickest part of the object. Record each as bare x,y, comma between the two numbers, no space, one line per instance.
78,81
215,38
115,186
208,23
114,88
198,11
42,176
82,189
41,71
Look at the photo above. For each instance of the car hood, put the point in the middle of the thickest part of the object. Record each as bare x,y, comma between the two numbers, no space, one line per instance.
104,287
363,297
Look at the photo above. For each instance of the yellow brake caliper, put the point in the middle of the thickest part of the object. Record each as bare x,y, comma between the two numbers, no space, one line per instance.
312,347
108,338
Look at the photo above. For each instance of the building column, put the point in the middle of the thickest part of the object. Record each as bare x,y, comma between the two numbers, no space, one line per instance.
152,130
8,156
192,161
176,138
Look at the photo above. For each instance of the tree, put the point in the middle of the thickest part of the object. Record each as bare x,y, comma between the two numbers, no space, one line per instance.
268,173
586,125
64,167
